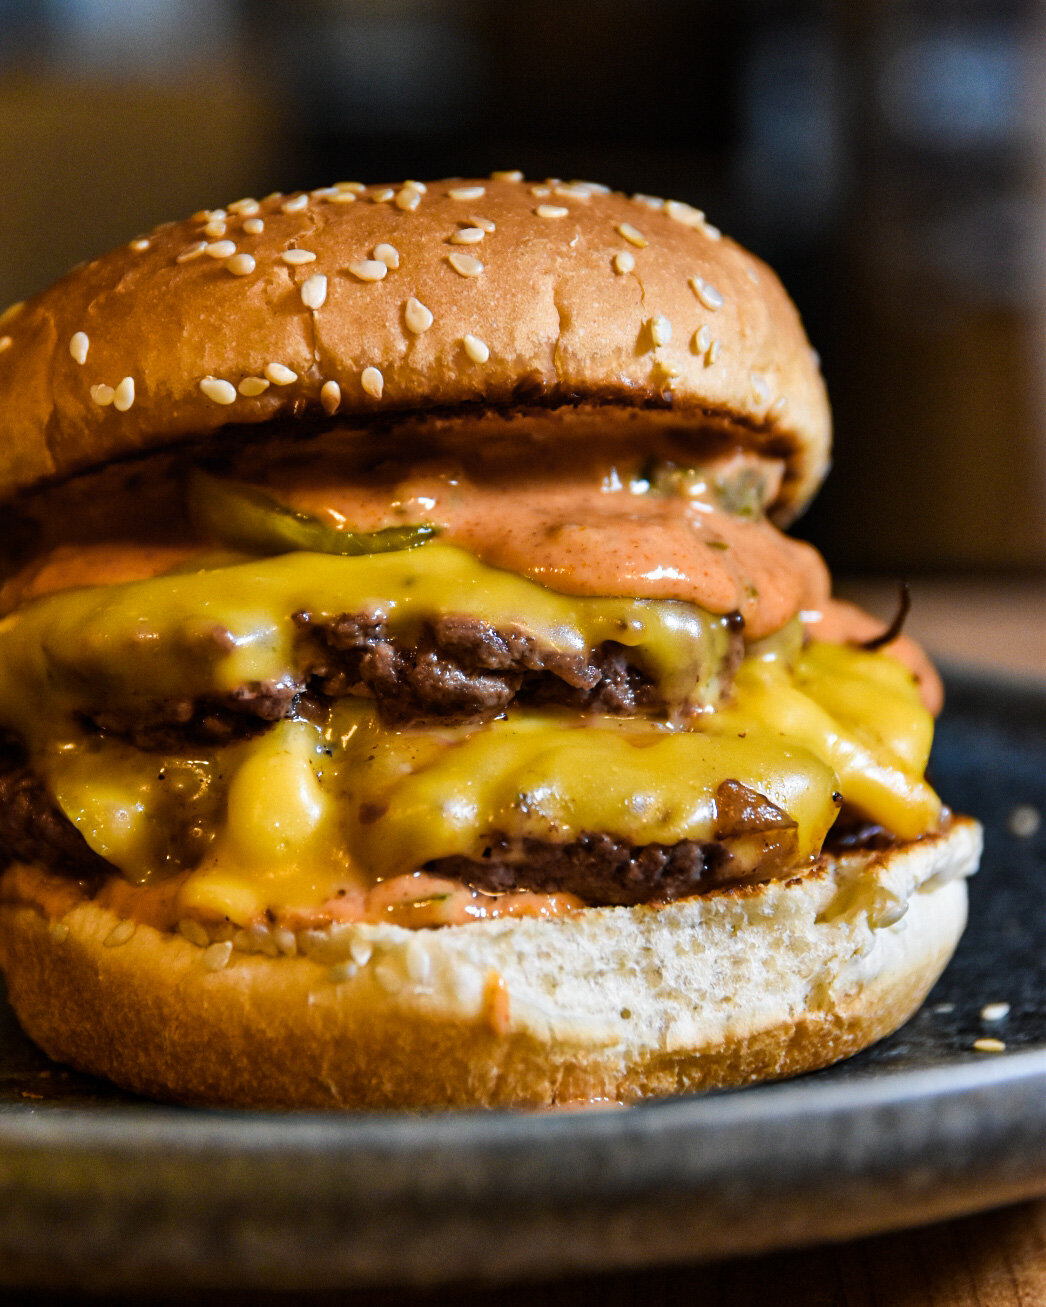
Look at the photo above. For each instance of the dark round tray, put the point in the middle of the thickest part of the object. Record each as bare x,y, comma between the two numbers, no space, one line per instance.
104,1191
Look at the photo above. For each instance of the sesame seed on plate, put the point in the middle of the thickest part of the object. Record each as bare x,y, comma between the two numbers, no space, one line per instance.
295,204
382,196
5,343
679,211
408,198
222,392
387,254
140,243
989,1046
78,346
215,229
632,234
624,261
702,339
240,265
102,394
220,249
507,175
191,251
245,208
465,265
476,349
372,382
417,317
995,1011
706,293
660,329
467,236
251,387
280,375
330,396
216,956
369,269
123,395
297,256
467,192
484,224
551,211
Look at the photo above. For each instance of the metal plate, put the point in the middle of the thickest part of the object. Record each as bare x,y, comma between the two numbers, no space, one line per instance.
104,1191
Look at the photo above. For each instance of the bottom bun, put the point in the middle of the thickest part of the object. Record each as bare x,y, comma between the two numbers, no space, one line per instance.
606,1004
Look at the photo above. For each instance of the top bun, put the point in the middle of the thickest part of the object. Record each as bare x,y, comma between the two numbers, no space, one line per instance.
487,294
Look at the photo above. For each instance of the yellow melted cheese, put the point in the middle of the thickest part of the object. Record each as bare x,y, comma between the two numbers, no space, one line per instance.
303,813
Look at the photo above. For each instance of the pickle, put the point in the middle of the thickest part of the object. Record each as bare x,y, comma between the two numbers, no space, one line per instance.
244,517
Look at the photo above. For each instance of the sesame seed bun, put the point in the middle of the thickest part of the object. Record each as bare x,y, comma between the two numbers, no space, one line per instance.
485,295
607,1004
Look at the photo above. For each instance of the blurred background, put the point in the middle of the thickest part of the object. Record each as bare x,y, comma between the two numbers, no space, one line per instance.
888,157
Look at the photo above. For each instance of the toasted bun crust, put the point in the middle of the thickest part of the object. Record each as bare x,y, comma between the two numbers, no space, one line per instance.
567,298
608,1004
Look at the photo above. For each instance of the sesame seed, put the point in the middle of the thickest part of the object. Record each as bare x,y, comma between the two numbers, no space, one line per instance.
702,339
5,343
296,204
279,375
340,972
778,406
624,262
78,346
102,394
506,175
476,349
541,192
372,382
989,1046
383,196
387,254
668,371
216,956
194,932
995,1011
660,330
120,933
713,353
713,233
191,251
467,192
220,249
123,395
465,265
369,269
253,386
418,186
351,188
140,243
323,192
408,199
215,230
342,197
632,234
330,396
11,310
485,224
760,387
467,236
240,265
575,190
209,215
222,392
294,257
1024,821
417,317
684,213
245,208
551,211
706,293
651,201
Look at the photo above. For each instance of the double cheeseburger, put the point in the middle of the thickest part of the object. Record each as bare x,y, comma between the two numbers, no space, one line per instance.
407,693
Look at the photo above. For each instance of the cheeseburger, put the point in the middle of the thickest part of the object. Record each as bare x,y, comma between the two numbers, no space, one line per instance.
407,693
